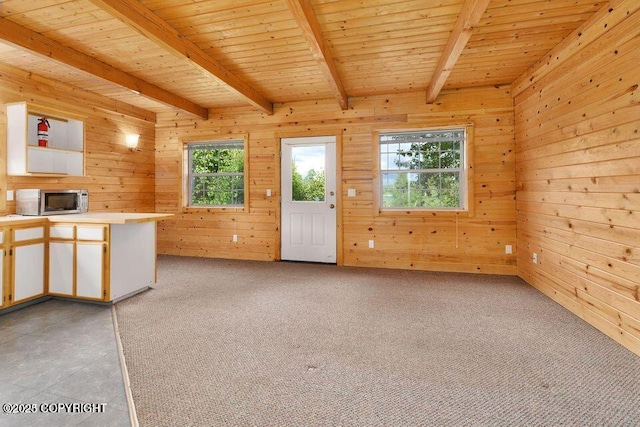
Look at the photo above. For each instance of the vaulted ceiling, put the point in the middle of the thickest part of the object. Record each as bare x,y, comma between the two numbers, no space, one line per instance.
193,55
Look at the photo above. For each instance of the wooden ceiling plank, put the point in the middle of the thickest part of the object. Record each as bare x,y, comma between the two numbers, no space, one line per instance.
472,11
73,95
609,15
24,38
306,19
136,15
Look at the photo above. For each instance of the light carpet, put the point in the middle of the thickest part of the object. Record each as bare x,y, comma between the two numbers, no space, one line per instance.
239,343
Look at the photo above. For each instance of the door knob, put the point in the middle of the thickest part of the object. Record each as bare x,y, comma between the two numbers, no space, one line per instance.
332,206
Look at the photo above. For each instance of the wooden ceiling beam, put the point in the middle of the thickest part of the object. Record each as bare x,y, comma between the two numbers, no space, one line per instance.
75,96
472,11
308,22
24,38
150,25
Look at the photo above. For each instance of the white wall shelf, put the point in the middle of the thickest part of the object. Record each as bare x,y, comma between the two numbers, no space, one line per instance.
64,153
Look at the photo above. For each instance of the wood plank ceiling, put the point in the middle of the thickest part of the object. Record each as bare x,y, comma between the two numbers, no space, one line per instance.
194,55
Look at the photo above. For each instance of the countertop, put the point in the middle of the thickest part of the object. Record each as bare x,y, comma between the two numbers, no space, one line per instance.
88,218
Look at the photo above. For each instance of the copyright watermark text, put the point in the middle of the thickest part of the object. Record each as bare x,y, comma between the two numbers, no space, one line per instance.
53,408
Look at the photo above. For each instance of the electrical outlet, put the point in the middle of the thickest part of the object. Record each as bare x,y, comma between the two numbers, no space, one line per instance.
235,238
9,195
351,192
508,249
535,258
371,244
268,192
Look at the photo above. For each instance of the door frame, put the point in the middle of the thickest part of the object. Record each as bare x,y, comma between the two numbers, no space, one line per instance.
337,133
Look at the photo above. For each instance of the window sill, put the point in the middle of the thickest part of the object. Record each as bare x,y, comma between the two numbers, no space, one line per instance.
433,213
215,209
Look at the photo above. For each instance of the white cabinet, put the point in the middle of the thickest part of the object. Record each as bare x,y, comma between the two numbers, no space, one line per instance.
90,270
22,249
61,268
61,259
5,294
28,271
64,151
91,250
77,259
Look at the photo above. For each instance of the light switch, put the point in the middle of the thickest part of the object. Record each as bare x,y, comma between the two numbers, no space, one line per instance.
351,192
9,195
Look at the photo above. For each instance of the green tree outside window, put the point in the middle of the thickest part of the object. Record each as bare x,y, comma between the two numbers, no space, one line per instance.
422,170
216,174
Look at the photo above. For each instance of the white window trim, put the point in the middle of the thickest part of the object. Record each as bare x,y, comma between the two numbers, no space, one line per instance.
186,174
467,175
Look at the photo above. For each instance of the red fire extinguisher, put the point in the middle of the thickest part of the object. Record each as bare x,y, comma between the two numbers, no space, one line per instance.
43,132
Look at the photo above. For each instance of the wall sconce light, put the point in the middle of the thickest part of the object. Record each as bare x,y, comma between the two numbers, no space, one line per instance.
131,139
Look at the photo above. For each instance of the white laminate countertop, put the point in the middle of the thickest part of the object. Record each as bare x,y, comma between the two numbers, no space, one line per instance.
19,219
109,217
89,218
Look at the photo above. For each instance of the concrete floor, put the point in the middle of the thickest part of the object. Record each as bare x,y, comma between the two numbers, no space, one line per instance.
61,351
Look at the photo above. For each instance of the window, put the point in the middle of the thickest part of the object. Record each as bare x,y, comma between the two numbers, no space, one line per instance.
216,174
307,173
423,169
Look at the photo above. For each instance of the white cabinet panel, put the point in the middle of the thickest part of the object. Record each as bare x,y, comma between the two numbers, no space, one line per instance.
47,160
16,139
23,234
133,258
61,268
64,150
3,302
90,233
89,270
28,271
61,232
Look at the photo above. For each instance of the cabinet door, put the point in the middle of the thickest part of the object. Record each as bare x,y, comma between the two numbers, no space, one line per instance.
28,271
61,268
5,297
61,232
89,270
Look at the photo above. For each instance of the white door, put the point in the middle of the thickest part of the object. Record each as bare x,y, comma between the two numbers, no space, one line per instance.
308,199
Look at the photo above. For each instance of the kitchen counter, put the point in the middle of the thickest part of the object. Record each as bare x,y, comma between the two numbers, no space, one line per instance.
87,218
19,219
97,256
109,218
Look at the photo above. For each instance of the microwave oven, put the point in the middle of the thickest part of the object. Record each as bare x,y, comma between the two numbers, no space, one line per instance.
51,202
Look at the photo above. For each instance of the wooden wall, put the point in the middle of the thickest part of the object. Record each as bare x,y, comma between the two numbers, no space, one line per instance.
430,242
117,179
578,173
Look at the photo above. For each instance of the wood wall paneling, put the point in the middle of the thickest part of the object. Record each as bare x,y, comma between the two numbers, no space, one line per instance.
117,179
578,173
428,242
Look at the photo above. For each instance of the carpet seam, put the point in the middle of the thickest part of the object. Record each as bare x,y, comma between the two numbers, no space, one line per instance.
123,369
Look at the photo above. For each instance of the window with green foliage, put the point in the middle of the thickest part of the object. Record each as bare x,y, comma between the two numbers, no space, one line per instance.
307,183
423,170
216,173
